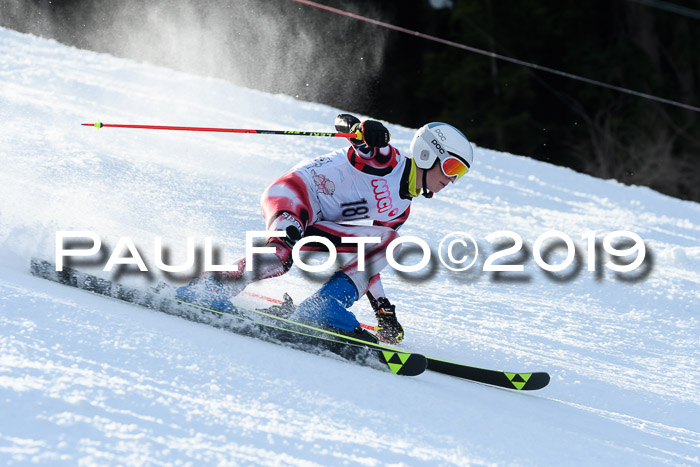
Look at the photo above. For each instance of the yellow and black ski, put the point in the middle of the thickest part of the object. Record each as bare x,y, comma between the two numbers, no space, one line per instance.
239,321
269,326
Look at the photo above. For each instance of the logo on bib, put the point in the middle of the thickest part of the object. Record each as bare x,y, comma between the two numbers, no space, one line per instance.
323,184
383,197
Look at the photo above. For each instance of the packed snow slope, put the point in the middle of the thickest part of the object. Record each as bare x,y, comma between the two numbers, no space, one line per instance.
84,379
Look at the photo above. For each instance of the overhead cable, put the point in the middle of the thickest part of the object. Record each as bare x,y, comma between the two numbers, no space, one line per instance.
499,56
671,7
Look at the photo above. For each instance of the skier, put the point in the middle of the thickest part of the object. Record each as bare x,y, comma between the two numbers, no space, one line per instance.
370,180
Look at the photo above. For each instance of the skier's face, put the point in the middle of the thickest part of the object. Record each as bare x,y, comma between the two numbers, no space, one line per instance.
436,179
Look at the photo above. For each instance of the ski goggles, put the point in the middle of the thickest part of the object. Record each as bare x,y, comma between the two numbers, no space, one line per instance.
454,166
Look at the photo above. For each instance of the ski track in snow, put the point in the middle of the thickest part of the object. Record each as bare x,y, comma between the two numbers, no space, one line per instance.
88,380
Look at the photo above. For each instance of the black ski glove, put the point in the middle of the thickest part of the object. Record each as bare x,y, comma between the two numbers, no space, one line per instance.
389,329
373,133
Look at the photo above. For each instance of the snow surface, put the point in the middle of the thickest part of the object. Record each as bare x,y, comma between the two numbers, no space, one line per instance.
86,380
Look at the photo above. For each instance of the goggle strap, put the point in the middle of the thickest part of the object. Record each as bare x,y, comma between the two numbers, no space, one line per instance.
460,158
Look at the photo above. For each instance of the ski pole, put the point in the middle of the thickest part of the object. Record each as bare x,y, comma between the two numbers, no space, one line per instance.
99,125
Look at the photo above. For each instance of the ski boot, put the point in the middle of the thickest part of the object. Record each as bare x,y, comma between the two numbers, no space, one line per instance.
359,333
208,292
328,307
282,310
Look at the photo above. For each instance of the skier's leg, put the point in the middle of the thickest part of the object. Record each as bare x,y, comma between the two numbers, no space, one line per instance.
329,305
374,253
288,205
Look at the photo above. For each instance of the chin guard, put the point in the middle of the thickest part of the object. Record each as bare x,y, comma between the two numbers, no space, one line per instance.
426,193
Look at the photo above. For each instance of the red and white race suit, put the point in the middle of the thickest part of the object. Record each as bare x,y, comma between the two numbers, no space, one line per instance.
344,193
335,196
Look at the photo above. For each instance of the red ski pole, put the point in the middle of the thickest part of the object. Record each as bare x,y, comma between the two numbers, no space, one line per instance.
99,125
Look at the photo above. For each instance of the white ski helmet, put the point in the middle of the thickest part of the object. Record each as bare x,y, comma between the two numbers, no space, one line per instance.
440,141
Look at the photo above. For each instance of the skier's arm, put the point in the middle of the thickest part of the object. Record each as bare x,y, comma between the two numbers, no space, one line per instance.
375,288
396,222
390,329
375,284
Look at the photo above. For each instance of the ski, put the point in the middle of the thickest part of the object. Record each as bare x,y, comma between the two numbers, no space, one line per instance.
504,379
239,321
275,327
